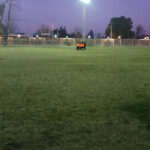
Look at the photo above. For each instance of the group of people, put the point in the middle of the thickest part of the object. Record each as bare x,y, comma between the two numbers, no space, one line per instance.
81,45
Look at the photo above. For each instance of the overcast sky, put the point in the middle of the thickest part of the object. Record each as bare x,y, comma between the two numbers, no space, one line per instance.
33,13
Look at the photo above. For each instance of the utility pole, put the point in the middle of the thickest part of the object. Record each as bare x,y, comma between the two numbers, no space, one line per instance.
52,28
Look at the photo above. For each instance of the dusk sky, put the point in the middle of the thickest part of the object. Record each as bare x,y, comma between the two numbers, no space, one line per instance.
33,13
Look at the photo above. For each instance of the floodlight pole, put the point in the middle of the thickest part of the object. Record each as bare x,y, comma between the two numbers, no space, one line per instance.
84,2
84,23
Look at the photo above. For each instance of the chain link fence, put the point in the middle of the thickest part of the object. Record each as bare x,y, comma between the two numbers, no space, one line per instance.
73,42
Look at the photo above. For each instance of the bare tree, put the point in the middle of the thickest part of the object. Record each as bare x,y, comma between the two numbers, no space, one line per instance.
2,7
44,29
78,33
6,8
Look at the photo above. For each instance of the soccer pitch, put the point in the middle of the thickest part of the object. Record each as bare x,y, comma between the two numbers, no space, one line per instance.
61,99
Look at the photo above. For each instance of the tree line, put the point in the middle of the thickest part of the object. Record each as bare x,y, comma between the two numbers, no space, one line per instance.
117,27
45,30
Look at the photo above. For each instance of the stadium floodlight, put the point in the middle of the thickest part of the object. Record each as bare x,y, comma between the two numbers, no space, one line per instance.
55,36
146,38
19,36
119,37
89,37
85,2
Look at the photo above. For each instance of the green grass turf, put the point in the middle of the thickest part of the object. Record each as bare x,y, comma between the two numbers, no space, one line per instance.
62,99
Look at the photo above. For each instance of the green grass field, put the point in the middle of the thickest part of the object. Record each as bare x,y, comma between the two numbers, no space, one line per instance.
63,99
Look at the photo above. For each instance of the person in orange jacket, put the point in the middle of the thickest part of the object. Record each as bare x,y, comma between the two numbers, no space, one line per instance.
81,45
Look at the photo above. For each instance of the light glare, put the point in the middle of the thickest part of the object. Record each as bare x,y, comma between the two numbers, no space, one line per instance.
86,1
89,36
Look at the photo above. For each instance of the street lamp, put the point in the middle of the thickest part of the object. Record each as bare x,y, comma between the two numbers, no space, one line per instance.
85,2
55,36
119,37
89,37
